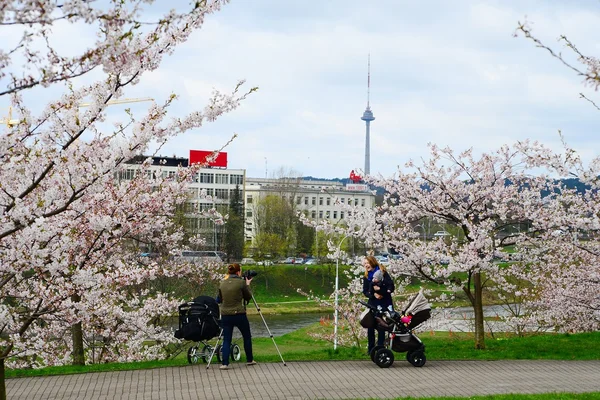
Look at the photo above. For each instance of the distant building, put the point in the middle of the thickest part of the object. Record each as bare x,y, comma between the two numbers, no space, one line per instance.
316,198
219,183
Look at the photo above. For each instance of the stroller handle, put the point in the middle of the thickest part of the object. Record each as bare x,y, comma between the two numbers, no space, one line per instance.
367,305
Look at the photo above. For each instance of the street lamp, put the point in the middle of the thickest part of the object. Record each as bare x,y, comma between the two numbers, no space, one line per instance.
422,226
337,277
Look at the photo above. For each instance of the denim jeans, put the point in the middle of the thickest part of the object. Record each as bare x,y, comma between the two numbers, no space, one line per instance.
228,322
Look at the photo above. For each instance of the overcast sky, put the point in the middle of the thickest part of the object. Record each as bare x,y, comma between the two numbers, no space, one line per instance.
447,72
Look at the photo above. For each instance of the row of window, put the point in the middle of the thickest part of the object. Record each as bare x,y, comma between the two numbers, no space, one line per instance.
222,194
328,214
190,208
313,201
313,215
203,177
211,177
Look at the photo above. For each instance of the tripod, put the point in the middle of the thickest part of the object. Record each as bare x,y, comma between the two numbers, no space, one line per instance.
266,326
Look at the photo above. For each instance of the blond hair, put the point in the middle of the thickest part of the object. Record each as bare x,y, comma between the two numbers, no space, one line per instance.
374,264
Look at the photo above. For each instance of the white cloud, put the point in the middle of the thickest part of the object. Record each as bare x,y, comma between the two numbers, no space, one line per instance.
444,72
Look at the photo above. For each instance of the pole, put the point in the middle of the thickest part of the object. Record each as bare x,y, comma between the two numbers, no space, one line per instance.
268,330
317,231
337,279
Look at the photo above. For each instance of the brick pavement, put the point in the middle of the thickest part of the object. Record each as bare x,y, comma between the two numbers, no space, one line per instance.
318,380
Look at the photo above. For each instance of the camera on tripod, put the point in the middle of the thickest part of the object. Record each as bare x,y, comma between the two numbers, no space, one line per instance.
249,274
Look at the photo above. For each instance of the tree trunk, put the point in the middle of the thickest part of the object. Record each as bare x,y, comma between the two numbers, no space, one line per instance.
78,348
77,336
478,311
2,381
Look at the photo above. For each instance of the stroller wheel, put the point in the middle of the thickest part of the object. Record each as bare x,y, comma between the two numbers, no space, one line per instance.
374,350
416,358
384,358
206,352
192,355
219,353
236,352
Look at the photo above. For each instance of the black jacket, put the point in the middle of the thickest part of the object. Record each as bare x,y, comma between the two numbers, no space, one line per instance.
387,283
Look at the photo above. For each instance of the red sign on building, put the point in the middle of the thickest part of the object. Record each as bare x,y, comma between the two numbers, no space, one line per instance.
200,156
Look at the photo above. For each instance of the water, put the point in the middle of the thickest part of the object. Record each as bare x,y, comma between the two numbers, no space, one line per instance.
442,319
280,324
450,319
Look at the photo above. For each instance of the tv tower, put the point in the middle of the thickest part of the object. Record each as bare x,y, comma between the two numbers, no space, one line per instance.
368,117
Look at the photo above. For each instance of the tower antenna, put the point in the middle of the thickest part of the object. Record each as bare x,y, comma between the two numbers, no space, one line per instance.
369,81
368,118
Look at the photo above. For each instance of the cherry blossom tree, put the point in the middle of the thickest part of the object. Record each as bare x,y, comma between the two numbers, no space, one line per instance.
66,225
478,198
567,292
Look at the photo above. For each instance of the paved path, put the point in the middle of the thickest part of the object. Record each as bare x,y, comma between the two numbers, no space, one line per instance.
318,380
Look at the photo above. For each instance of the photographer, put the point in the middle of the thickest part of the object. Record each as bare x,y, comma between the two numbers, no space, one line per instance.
234,294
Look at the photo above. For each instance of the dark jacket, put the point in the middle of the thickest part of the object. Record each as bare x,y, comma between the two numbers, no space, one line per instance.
387,287
232,293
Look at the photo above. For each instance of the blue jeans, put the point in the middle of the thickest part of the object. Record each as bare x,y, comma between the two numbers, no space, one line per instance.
228,322
371,338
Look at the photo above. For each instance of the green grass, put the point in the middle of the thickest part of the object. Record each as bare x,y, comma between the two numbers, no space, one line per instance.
299,346
280,282
545,396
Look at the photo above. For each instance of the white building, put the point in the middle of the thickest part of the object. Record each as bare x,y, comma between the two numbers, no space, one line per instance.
315,197
218,183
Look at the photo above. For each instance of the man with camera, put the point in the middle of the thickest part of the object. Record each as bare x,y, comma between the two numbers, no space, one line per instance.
234,294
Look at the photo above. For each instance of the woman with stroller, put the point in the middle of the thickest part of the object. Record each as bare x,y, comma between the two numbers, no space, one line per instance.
378,286
233,297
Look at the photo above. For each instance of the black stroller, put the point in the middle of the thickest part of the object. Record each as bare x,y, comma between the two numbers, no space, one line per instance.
199,322
400,331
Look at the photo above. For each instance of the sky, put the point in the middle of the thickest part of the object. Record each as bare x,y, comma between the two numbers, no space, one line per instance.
449,73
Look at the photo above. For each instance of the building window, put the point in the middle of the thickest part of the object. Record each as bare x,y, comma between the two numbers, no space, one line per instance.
320,201
206,192
236,179
329,201
249,199
222,194
127,174
342,200
335,215
206,177
204,206
362,202
299,200
356,202
249,213
341,215
313,214
328,215
320,214
221,178
306,200
314,201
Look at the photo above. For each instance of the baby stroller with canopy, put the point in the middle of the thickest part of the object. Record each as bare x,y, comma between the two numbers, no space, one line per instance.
401,337
199,322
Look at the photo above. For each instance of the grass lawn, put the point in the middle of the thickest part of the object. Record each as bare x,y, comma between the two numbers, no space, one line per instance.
300,346
548,396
